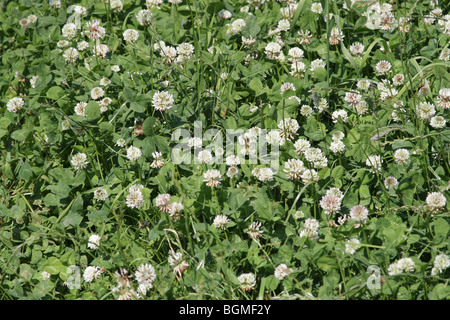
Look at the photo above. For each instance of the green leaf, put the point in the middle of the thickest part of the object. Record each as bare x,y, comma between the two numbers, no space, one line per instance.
148,126
25,171
55,93
106,127
92,110
256,85
314,130
129,94
21,134
327,263
54,266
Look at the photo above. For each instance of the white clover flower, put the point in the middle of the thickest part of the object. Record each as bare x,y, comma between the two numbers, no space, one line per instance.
273,50
357,49
302,145
145,275
336,192
394,269
437,122
236,26
153,3
135,199
105,81
318,63
157,161
311,229
294,168
363,84
79,10
65,125
443,99
398,79
70,55
374,162
254,230
330,203
309,234
100,50
299,214
359,214
390,182
15,104
289,11
63,43
425,110
97,93
282,271
91,273
287,86
383,67
352,245
55,4
306,111
224,14
298,69
232,172
177,261
337,136
436,201
311,224
205,156
45,275
232,160
212,178
401,156
130,35
69,31
116,5
316,7
353,98
185,50
144,17
310,176
361,108
133,153
79,161
82,45
248,281
195,142
100,194
94,242
441,262
337,146
95,30
263,174
406,264
336,36
162,201
284,25
162,100
295,54
339,114
121,143
288,128
175,209
221,221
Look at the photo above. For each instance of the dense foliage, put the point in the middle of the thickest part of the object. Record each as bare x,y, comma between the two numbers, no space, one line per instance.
349,98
